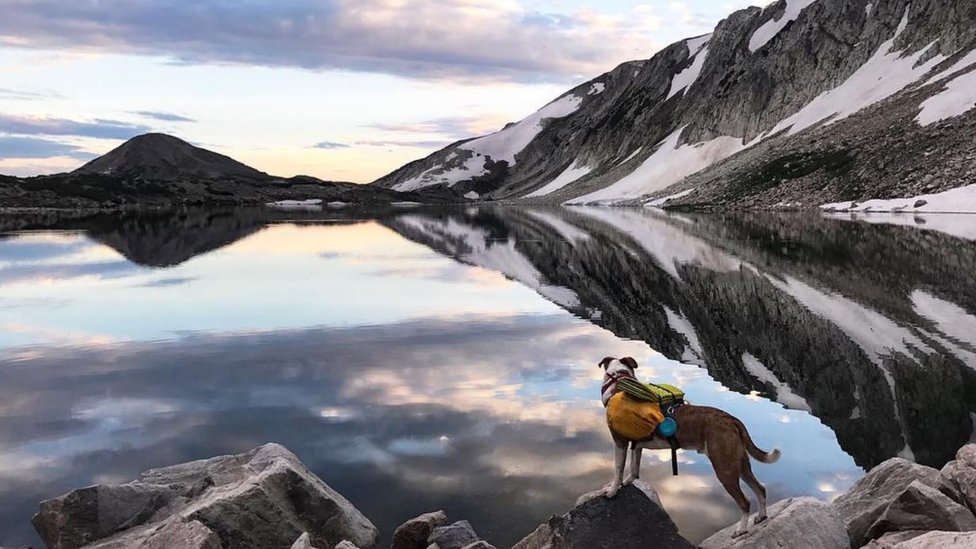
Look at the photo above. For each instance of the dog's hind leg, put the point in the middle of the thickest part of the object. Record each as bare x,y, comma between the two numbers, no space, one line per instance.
635,464
728,470
757,488
620,462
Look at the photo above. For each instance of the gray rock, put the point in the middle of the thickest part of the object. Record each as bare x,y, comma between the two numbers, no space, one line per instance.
921,507
480,545
960,476
892,539
794,522
864,502
173,532
413,534
631,520
304,541
263,498
346,545
644,487
454,536
941,540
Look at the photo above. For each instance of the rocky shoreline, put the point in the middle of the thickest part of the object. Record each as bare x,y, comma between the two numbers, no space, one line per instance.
267,498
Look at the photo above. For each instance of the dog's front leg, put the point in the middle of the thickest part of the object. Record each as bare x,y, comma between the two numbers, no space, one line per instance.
635,463
620,462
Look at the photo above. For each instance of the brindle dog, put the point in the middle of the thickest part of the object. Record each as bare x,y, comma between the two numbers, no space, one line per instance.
710,431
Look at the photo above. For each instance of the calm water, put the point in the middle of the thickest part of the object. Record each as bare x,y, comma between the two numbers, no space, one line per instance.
421,359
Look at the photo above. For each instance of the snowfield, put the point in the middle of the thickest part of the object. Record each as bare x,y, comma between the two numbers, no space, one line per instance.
698,50
958,200
771,28
886,73
957,97
669,164
501,145
572,173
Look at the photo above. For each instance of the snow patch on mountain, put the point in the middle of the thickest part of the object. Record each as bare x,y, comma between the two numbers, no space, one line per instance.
570,174
771,28
665,199
886,73
669,164
784,394
958,200
505,144
958,97
597,88
630,156
439,175
684,79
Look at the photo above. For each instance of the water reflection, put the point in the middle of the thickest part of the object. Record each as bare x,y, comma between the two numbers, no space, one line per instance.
411,381
864,326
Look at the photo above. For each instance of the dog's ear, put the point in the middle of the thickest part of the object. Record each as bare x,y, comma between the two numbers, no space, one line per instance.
603,363
629,362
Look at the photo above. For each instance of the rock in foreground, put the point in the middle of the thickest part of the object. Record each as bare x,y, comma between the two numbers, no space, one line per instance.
263,499
631,520
794,522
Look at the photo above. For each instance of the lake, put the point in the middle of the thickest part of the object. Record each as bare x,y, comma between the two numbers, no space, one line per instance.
419,359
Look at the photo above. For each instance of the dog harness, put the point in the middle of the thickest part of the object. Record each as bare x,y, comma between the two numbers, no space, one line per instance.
640,411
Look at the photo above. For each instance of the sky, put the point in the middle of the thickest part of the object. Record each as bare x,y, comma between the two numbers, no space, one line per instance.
339,89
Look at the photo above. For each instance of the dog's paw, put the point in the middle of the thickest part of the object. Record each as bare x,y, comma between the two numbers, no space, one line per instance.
760,519
629,480
738,533
611,491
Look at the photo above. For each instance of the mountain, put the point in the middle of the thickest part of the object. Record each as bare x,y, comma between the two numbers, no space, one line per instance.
802,103
163,171
162,157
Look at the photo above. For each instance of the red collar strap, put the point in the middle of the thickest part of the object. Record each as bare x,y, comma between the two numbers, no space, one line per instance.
613,378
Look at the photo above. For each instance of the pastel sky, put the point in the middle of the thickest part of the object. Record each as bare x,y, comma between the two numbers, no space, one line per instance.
339,89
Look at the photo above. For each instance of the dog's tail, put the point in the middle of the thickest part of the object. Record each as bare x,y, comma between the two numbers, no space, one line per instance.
754,451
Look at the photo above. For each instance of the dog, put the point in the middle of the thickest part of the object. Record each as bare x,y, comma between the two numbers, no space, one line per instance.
710,431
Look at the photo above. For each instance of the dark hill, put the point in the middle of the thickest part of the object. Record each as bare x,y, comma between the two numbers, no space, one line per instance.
161,157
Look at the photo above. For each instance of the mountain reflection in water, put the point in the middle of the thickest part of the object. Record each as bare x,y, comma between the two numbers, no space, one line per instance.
410,381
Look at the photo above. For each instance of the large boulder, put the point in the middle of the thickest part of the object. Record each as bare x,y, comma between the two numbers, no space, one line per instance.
960,475
454,536
892,539
940,540
921,507
794,522
413,534
265,498
631,520
172,532
864,502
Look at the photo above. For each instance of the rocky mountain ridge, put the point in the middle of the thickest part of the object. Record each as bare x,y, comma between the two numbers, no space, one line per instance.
795,105
158,170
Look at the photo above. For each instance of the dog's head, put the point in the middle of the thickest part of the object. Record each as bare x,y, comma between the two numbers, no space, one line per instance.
613,367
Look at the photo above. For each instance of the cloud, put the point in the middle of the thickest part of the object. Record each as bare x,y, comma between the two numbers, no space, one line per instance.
167,282
504,40
420,143
164,116
98,128
35,147
330,145
454,127
7,93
